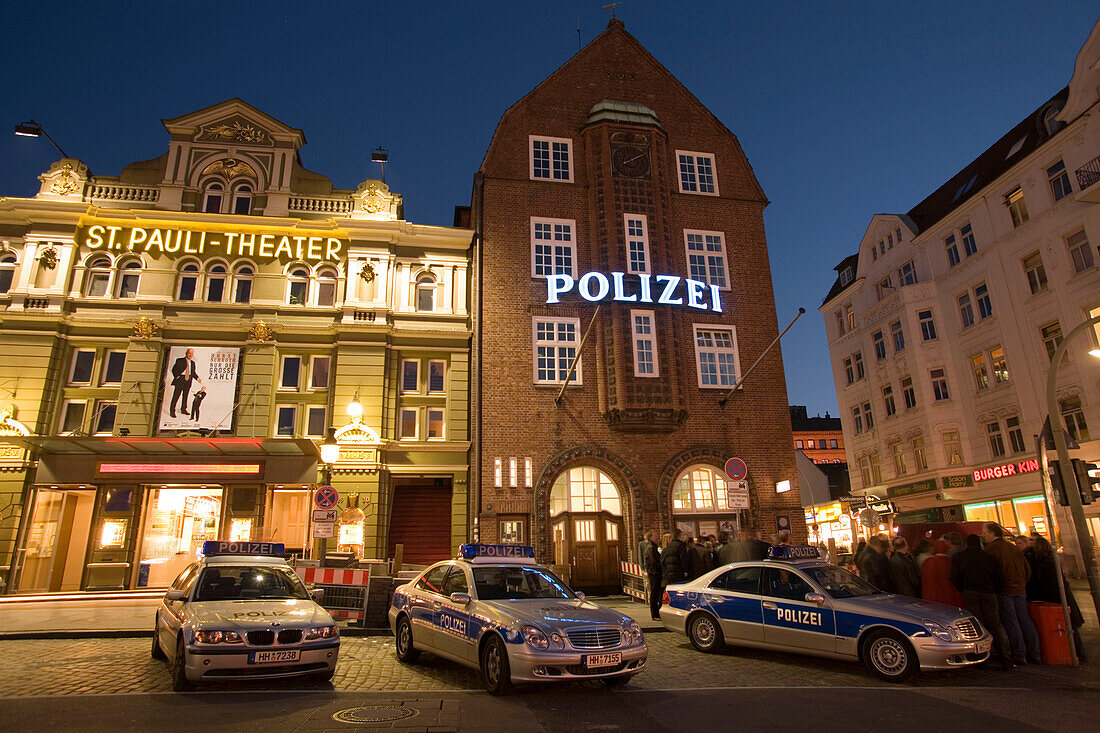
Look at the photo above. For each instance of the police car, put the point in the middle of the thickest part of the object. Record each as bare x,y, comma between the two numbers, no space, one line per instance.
796,602
496,610
241,613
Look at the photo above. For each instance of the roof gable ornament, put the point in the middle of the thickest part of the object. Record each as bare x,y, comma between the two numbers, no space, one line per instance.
235,129
374,201
357,433
64,180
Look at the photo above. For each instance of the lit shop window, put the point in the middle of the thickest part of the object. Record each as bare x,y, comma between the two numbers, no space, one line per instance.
697,172
240,530
550,159
113,533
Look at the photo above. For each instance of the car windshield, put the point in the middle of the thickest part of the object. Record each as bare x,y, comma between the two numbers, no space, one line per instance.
510,583
839,583
243,582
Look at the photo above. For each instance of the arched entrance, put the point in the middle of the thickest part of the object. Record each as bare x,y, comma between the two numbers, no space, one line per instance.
704,503
586,528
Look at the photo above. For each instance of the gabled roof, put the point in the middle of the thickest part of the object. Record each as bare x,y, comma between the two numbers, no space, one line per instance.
279,130
849,261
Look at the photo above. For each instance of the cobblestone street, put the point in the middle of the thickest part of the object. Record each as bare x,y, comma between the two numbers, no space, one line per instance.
117,666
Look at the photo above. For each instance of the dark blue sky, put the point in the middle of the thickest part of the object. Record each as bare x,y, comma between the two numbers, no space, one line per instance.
844,109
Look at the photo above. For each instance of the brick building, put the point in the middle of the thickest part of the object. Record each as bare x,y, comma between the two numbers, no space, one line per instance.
601,183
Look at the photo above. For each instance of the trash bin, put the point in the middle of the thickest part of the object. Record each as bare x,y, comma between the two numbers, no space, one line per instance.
1051,625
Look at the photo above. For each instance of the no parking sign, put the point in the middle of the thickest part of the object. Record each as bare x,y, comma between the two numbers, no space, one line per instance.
326,497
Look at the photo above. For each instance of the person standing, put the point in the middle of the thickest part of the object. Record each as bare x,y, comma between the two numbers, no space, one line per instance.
184,372
760,547
697,558
935,572
1012,601
904,572
1043,586
874,567
642,545
978,577
673,560
651,562
783,538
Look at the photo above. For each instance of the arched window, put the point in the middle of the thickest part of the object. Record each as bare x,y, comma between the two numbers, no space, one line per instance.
129,274
216,278
297,285
98,280
242,200
189,282
7,272
700,489
212,198
425,293
326,288
242,278
584,489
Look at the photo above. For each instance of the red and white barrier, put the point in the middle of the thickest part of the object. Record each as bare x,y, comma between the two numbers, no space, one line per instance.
334,576
633,580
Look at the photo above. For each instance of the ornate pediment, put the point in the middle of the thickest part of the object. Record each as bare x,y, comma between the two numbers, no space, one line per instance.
374,201
64,180
235,129
357,433
645,419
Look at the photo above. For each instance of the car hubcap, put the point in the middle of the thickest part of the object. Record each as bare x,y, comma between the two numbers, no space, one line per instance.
403,639
704,632
492,664
888,655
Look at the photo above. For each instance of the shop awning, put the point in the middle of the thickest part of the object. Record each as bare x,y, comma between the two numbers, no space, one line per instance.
117,446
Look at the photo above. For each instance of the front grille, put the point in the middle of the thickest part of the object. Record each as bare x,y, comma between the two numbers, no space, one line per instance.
594,638
580,670
290,636
261,638
969,629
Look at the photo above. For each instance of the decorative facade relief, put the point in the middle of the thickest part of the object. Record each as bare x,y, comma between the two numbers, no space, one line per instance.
235,129
230,168
64,180
374,201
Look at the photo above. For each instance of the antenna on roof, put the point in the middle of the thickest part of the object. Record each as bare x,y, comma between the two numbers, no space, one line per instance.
578,30
611,7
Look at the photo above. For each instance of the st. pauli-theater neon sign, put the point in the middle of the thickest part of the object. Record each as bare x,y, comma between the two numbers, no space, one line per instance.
660,289
168,241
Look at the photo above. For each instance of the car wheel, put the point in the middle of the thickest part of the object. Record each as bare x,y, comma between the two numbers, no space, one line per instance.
889,656
615,681
705,633
180,683
403,642
156,652
495,672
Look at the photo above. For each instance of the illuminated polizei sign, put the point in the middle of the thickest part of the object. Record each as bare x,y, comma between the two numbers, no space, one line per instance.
1006,469
166,240
660,289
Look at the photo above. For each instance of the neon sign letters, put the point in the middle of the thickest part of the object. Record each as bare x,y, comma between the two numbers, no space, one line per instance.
288,246
595,286
1006,469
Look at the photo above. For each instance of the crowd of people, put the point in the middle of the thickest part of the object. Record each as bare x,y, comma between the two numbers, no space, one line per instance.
993,576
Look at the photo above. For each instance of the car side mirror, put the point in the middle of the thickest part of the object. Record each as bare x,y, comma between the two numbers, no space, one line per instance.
461,598
580,596
815,598
174,595
317,594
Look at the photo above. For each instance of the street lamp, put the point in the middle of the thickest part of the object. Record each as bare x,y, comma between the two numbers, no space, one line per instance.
1069,480
380,155
30,128
330,454
355,407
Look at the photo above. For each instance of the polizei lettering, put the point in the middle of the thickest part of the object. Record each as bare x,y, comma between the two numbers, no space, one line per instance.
450,623
797,616
670,289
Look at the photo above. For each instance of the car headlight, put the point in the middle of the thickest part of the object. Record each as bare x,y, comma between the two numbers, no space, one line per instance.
632,634
321,632
217,637
556,641
939,631
533,636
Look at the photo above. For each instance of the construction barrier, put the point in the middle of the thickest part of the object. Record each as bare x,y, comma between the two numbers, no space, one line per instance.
633,580
346,591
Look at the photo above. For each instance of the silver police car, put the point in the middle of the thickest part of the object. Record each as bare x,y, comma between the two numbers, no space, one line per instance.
241,613
796,602
496,610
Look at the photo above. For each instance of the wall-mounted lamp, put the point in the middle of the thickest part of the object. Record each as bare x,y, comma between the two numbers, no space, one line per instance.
30,128
783,486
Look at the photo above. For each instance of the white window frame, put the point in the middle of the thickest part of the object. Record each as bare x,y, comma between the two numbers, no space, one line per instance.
97,414
275,426
282,373
401,421
197,274
9,262
442,423
313,360
707,255
239,278
572,224
292,280
642,239
531,140
103,368
61,417
324,420
208,191
242,192
108,270
416,366
428,381
696,327
651,337
322,276
695,156
72,366
578,375
125,269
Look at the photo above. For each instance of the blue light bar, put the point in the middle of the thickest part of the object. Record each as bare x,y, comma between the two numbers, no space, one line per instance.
794,552
216,547
501,551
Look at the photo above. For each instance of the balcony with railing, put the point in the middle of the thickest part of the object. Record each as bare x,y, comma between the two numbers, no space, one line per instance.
321,204
129,193
1088,175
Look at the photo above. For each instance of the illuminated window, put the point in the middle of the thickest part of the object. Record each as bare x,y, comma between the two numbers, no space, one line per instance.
297,286
552,247
876,469
326,287
981,374
706,257
645,344
865,470
998,364
435,423
7,272
550,159
216,277
900,468
129,275
584,489
98,279
919,457
952,447
555,347
700,489
513,479
242,290
425,293
188,286
242,200
1017,208
528,477
697,173
1035,272
637,242
798,444
716,356
212,198
497,473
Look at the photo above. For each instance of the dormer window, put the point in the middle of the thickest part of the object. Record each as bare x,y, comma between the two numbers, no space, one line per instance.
845,276
242,200
212,198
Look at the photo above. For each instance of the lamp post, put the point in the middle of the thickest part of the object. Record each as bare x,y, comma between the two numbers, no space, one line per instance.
330,454
30,128
1076,510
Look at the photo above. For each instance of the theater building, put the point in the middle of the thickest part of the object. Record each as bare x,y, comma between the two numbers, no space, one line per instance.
179,338
620,221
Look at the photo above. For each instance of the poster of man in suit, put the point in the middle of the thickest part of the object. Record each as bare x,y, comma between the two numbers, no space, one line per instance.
199,388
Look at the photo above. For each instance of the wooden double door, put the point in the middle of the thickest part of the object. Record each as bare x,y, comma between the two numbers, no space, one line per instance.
589,543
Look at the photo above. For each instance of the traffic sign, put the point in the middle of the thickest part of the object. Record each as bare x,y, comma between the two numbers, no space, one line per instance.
326,497
737,501
323,530
736,469
324,515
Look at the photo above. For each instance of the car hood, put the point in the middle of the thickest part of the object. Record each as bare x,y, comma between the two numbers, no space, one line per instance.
553,614
906,607
252,614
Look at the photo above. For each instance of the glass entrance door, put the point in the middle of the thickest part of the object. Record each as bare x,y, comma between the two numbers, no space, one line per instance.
57,540
177,521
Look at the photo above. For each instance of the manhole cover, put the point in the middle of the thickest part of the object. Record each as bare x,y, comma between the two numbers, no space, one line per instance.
374,714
